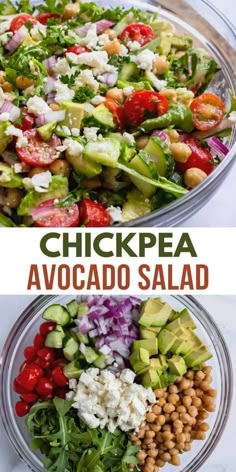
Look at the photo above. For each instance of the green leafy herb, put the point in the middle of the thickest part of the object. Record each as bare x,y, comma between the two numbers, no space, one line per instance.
69,79
73,197
83,94
232,104
53,6
7,8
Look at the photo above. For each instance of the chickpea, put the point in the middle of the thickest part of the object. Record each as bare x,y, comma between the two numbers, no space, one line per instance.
204,427
70,10
150,460
156,409
194,177
174,416
160,419
161,65
168,408
148,468
150,434
207,369
160,463
153,452
175,460
23,82
169,94
7,87
150,417
141,455
200,435
199,393
178,424
13,197
60,167
112,48
116,94
203,415
173,398
212,393
199,375
174,138
37,170
193,411
208,379
169,444
184,384
111,33
187,428
174,451
196,402
181,152
162,401
55,106
141,433
173,389
187,447
187,400
181,409
167,436
155,427
166,427
180,438
190,374
141,144
166,457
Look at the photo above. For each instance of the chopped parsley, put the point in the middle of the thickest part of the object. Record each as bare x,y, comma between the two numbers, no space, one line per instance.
83,94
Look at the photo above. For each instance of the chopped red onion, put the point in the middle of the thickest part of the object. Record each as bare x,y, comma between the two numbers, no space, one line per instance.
109,78
50,63
217,147
161,134
49,85
100,27
17,39
51,98
13,111
50,116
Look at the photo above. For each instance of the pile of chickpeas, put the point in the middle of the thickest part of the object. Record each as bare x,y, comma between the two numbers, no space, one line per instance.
178,418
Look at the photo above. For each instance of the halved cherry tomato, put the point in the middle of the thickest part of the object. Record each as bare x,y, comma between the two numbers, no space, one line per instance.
20,20
139,32
42,363
27,379
58,377
36,368
200,158
38,152
61,392
47,354
30,352
47,327
22,408
44,387
117,111
93,215
44,17
27,121
18,388
59,362
144,104
208,111
29,397
77,50
39,341
46,215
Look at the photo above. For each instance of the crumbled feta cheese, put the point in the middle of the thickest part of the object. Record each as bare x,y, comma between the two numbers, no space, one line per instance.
22,141
88,108
128,90
123,51
64,93
96,59
5,26
62,67
91,37
75,132
86,78
133,45
5,38
144,59
27,182
4,116
29,91
115,401
37,106
91,133
74,148
97,100
103,39
12,131
129,139
232,116
115,214
41,181
158,84
20,167
64,130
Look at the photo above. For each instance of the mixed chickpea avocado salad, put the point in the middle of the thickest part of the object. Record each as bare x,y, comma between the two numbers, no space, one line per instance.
114,384
104,114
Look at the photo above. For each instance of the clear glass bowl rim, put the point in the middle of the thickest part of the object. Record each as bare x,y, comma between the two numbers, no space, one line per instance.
206,320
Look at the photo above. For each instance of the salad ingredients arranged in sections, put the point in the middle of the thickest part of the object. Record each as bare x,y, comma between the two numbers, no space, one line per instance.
115,384
104,114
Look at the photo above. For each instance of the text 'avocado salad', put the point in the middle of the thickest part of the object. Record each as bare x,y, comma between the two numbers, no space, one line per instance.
104,114
113,384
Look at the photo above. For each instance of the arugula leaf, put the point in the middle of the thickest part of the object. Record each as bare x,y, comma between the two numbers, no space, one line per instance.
83,94
62,406
52,6
73,197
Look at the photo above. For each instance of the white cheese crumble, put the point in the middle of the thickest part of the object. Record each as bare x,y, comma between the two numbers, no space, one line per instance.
20,167
22,141
113,401
64,93
123,51
144,59
115,214
5,26
158,84
91,133
128,90
37,106
91,37
103,39
86,78
4,38
12,131
88,108
73,147
41,181
232,116
129,139
61,67
38,32
75,132
97,100
96,59
4,116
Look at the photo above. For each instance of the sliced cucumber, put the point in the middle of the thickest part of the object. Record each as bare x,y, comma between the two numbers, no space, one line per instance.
100,362
142,167
71,349
55,339
82,310
90,355
137,205
121,25
58,314
160,154
105,152
103,117
83,338
143,85
72,307
73,370
128,71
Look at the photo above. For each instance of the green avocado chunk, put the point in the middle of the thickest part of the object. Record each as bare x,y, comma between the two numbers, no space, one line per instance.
74,115
197,356
177,365
147,333
166,339
105,152
150,378
154,313
139,360
47,130
8,178
150,344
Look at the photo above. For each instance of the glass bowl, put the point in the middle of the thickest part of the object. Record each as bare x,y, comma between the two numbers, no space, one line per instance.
23,333
212,31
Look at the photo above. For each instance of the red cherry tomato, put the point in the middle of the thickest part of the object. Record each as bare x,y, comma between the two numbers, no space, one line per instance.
139,32
39,341
117,111
20,20
36,368
208,111
144,104
29,397
38,152
41,363
46,215
58,377
27,379
93,215
18,389
27,120
60,362
22,408
77,50
44,387
44,17
47,354
30,352
61,392
200,158
47,327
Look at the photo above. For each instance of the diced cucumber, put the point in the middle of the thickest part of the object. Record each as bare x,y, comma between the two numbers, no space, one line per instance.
90,355
73,370
143,85
151,46
58,314
71,349
128,71
137,205
82,310
55,339
161,156
121,25
103,117
139,164
105,152
100,362
83,338
83,166
72,307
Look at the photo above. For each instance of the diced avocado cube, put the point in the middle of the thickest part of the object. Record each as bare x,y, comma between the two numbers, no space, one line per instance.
181,42
4,139
197,356
163,362
58,188
150,344
74,115
147,333
155,363
90,355
185,318
167,378
155,329
154,313
150,378
140,360
166,339
83,166
160,26
47,130
8,178
177,365
105,152
182,346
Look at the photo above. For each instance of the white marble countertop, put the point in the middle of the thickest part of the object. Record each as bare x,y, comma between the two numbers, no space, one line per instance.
223,309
